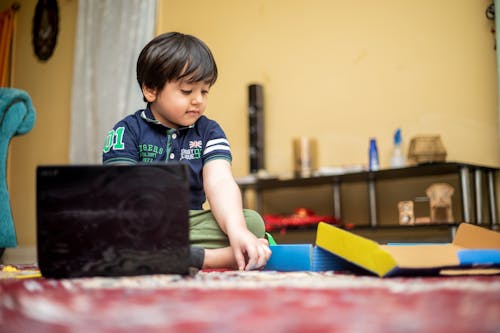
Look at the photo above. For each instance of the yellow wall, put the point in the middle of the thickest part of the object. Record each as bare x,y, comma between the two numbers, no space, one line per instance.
49,85
340,71
344,71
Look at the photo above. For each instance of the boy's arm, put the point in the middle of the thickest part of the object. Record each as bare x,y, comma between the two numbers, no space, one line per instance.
224,197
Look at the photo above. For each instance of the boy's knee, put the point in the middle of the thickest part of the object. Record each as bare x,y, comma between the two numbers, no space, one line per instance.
255,223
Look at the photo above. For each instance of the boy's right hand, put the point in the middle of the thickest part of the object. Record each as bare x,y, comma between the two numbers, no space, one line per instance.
263,259
250,252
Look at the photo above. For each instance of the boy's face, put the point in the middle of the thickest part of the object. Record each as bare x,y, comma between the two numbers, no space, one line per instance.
179,103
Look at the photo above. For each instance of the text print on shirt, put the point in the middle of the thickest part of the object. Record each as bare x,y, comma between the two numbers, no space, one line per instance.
114,140
147,152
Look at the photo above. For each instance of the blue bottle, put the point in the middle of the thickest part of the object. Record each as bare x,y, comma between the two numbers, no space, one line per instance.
373,164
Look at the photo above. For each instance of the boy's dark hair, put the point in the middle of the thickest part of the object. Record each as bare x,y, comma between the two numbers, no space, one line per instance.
173,56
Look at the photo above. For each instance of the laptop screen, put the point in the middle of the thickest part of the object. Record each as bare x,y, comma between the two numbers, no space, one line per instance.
98,220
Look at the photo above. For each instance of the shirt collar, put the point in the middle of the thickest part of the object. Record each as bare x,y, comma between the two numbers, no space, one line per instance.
148,116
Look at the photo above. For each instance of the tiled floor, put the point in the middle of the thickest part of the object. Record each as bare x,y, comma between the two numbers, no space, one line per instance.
27,254
436,234
19,255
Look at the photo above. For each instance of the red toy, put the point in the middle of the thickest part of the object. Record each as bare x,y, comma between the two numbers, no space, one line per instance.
302,217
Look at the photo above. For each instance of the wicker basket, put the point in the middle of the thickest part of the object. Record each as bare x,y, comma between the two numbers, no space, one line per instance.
426,149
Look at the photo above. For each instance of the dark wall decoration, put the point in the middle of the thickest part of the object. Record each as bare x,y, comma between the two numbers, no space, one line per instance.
45,28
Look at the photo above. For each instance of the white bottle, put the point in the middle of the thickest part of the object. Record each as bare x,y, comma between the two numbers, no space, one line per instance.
397,158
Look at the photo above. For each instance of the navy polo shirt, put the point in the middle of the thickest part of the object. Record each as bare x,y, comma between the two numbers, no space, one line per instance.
139,138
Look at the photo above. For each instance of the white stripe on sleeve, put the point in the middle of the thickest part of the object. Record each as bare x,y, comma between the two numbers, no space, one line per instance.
216,147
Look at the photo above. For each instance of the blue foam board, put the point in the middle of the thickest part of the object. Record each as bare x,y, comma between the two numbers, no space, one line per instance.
476,257
289,258
323,260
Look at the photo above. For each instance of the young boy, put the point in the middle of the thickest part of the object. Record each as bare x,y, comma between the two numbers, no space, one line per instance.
175,73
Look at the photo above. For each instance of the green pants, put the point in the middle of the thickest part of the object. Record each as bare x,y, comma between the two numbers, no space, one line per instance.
204,230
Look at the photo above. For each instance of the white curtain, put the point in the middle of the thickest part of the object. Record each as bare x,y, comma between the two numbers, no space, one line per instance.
110,35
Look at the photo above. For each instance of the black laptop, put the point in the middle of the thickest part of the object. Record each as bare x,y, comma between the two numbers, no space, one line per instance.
98,220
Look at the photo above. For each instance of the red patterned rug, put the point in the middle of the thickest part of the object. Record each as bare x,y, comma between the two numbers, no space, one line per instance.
251,302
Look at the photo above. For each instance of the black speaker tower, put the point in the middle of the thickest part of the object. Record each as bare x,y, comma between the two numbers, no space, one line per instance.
256,127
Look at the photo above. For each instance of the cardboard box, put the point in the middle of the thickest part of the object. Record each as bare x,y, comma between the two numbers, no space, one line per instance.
472,248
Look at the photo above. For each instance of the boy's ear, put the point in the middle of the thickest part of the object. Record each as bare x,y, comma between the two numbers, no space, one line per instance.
149,93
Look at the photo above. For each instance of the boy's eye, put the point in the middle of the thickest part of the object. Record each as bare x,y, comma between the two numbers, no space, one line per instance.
186,92
204,92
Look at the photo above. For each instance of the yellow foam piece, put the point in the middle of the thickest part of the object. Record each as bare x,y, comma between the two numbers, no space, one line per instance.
359,251
9,268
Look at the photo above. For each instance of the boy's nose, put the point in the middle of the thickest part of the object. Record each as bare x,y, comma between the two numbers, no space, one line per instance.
197,98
